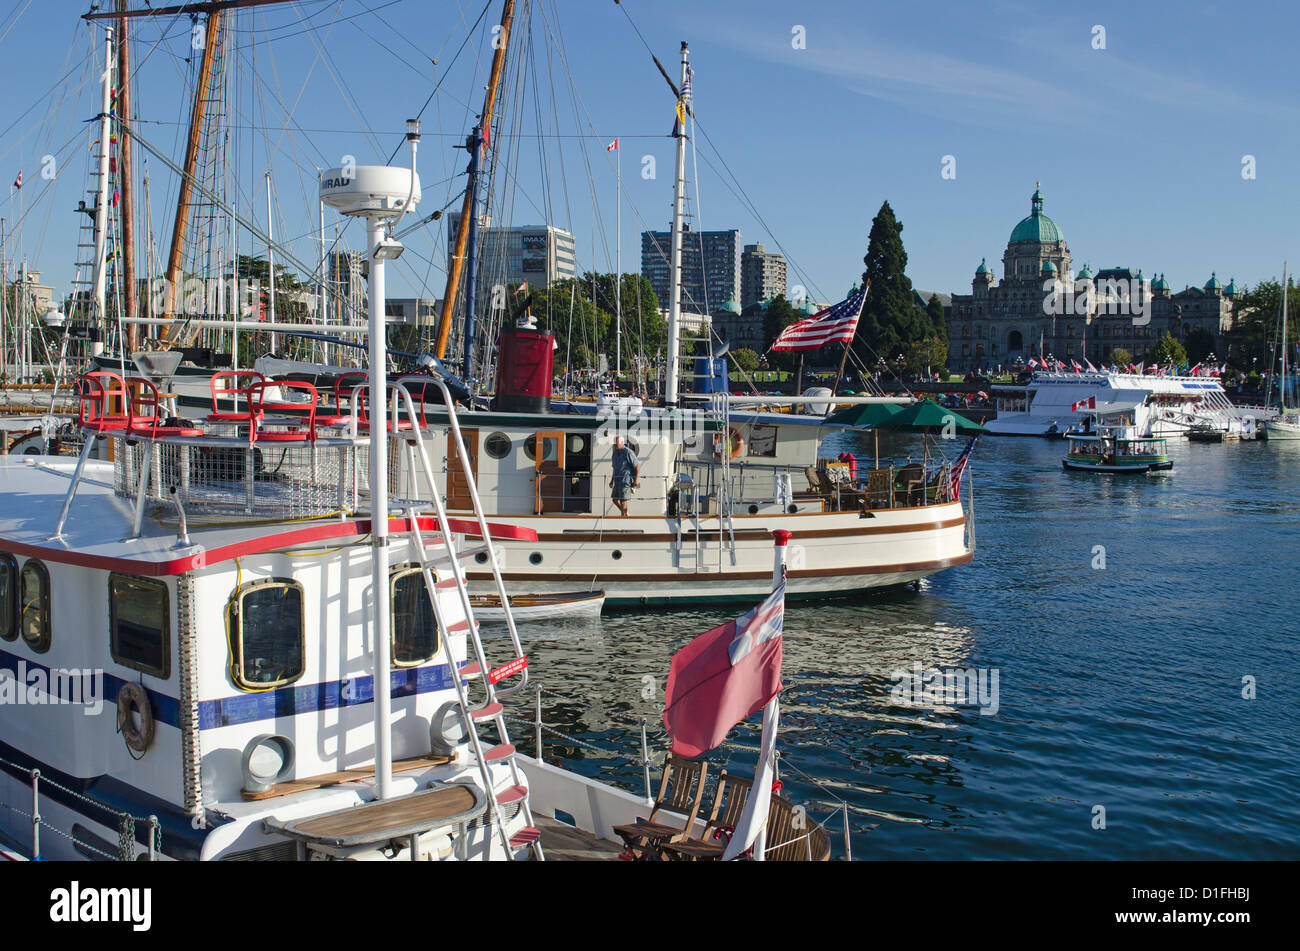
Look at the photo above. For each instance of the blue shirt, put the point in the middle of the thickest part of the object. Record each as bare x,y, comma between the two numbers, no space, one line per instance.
625,466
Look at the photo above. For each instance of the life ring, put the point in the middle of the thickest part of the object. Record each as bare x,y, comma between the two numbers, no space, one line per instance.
132,701
734,440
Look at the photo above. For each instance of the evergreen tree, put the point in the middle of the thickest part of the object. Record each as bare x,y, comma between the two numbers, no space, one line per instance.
890,318
935,313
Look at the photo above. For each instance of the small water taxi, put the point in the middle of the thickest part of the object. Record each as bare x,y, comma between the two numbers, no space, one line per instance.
1116,450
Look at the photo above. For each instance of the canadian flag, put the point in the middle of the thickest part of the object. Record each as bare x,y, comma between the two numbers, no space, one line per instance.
1089,403
612,147
18,182
1033,364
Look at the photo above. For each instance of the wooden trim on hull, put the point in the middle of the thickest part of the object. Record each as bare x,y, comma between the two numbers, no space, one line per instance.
616,535
606,580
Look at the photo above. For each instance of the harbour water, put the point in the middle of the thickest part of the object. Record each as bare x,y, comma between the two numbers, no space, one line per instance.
1125,673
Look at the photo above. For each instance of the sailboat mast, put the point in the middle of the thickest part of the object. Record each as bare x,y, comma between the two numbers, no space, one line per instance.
211,35
1281,389
501,42
675,264
125,183
101,187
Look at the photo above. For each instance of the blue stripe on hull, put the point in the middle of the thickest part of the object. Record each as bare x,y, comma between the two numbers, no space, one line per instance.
287,701
101,798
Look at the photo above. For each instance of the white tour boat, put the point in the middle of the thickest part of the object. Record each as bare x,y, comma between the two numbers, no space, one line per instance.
1055,402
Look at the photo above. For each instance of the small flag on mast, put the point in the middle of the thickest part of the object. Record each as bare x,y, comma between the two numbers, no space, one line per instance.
612,147
18,182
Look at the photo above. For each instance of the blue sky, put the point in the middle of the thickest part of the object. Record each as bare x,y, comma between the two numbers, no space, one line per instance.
1139,146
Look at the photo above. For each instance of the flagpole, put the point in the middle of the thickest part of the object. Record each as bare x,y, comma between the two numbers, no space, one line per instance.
618,265
771,712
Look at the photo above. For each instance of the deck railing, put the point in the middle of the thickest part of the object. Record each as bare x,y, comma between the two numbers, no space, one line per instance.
127,824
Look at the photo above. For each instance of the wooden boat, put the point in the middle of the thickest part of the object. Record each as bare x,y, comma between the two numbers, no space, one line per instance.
535,606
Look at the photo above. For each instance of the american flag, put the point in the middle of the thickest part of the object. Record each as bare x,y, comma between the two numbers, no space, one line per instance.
959,466
832,325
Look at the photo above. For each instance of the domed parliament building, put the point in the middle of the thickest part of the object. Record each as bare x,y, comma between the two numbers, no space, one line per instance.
1039,309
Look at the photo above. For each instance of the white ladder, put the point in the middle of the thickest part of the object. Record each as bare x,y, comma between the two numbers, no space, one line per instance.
490,709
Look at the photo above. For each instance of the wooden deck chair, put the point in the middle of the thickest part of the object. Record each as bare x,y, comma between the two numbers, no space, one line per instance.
792,836
879,490
681,791
910,479
728,803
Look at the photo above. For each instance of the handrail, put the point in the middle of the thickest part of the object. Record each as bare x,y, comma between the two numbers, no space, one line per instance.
127,822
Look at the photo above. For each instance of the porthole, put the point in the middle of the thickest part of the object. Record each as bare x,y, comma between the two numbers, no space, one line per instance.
481,558
577,443
415,629
34,616
497,445
535,558
265,621
753,510
530,447
616,554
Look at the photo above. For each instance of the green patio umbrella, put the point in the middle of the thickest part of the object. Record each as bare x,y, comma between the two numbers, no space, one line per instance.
927,416
864,415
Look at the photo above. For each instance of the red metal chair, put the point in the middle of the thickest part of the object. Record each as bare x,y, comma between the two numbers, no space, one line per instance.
232,385
342,391
257,405
363,420
147,412
96,393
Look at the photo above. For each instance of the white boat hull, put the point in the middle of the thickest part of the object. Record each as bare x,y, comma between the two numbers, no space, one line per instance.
641,561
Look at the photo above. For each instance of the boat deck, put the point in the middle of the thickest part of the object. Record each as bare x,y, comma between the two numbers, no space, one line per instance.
564,843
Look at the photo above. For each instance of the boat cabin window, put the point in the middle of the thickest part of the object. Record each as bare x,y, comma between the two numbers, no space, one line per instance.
266,634
415,629
762,441
140,624
497,445
8,598
34,590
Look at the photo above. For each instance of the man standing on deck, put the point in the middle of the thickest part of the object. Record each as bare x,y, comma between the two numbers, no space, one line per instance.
627,474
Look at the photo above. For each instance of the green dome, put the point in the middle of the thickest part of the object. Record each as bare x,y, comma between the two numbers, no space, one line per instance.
1037,227
732,306
1213,284
983,268
1232,287
1160,284
809,308
1049,267
1085,274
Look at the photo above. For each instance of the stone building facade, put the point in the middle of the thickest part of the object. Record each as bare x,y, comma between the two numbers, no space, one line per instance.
1039,309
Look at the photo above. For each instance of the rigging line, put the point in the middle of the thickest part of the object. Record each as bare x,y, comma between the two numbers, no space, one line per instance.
746,200
389,52
14,18
305,80
199,186
286,36
468,36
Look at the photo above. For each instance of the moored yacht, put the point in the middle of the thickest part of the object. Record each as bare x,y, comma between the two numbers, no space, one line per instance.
1055,402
